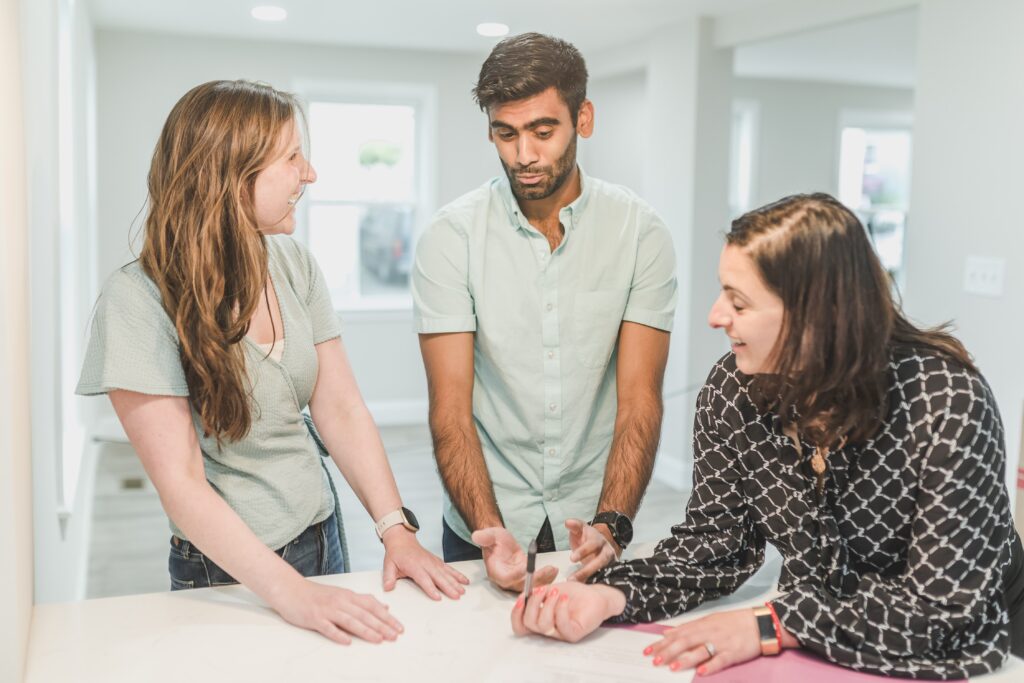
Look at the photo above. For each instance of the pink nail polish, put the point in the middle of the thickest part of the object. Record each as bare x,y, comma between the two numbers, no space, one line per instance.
553,593
564,598
649,649
701,670
675,666
657,660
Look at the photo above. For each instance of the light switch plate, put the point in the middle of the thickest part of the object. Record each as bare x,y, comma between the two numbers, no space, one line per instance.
984,276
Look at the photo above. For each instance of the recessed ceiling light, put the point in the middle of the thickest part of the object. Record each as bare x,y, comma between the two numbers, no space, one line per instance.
492,30
269,13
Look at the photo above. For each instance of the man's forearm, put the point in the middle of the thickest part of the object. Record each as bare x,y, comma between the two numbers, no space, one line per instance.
631,459
460,461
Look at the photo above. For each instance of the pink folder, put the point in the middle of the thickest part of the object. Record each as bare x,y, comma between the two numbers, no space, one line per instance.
791,666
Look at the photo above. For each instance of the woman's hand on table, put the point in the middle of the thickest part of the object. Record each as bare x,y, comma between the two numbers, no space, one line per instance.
405,558
711,643
505,560
566,611
336,613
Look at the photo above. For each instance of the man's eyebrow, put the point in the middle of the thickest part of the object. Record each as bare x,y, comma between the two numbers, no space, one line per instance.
536,123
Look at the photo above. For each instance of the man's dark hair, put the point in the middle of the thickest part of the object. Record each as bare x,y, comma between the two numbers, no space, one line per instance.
528,64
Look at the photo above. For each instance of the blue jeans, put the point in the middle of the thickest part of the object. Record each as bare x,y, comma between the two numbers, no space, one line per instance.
456,549
316,551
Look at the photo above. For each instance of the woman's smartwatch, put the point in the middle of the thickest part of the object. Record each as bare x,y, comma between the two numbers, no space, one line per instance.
619,524
401,516
768,629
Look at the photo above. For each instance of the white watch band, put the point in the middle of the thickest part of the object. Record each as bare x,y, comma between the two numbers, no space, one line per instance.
389,520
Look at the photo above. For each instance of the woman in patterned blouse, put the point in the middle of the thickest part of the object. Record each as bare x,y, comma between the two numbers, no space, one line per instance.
868,451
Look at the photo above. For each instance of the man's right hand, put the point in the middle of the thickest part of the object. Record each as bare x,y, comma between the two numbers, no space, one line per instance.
506,561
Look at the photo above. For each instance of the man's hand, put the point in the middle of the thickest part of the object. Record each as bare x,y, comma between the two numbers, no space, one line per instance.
506,562
404,557
591,548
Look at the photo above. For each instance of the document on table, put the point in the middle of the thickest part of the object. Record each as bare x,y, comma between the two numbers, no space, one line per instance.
606,655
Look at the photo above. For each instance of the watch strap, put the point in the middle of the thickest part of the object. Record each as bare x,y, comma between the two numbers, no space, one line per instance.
393,519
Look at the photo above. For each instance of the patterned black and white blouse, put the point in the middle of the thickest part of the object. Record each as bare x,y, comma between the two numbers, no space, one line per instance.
898,571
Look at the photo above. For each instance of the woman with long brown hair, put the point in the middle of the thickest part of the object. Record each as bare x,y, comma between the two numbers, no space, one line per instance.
212,344
868,451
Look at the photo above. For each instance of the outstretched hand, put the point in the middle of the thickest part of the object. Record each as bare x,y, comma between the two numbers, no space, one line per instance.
592,549
506,561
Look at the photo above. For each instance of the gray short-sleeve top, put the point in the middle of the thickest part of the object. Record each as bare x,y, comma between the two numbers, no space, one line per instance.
272,477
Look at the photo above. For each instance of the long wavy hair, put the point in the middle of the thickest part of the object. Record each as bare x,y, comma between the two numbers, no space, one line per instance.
203,247
841,322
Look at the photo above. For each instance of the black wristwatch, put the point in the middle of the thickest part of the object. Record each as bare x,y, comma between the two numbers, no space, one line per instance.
619,524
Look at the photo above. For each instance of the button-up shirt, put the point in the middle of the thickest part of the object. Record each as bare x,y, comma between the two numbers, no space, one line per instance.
546,329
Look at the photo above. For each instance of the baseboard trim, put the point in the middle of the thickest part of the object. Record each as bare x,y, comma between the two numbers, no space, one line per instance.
396,413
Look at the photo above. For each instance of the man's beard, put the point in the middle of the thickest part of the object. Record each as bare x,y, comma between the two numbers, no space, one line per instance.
554,176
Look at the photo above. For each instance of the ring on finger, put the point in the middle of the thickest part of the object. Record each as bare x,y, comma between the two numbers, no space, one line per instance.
710,648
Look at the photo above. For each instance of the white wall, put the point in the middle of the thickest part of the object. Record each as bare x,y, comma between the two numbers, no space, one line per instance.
15,439
798,131
142,75
967,179
616,151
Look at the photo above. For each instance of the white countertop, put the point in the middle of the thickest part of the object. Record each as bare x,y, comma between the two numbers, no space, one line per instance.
228,634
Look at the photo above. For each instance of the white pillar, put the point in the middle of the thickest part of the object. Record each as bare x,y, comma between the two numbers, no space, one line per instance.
689,94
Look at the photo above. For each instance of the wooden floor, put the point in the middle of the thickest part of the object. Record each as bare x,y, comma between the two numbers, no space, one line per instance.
129,542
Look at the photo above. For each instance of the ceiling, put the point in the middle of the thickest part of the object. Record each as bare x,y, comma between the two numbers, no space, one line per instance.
448,25
878,50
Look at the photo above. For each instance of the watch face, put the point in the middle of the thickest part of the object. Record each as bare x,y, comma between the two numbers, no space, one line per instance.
410,518
623,530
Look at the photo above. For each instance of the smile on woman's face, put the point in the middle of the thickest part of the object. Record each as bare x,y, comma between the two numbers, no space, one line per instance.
279,185
747,311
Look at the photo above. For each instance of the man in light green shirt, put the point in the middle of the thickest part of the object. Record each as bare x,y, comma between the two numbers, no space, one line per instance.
544,301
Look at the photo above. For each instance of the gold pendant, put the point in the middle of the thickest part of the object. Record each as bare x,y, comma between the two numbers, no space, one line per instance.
819,467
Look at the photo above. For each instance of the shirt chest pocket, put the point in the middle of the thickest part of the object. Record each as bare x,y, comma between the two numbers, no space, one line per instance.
596,318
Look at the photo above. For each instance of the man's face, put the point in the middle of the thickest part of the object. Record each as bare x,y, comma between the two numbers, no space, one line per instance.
536,142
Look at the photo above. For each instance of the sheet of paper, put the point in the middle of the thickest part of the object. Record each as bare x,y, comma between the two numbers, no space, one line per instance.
607,655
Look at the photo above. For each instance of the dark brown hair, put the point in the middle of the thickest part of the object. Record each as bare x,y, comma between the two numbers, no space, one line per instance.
840,324
203,247
528,64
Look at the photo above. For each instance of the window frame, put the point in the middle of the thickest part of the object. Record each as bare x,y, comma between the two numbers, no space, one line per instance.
422,98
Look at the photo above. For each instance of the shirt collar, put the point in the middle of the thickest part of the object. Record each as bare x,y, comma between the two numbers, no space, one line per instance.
570,215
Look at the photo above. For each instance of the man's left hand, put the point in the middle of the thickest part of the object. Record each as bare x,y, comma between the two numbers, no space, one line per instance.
405,558
590,547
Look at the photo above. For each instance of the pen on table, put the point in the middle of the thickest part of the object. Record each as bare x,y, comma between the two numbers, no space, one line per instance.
531,563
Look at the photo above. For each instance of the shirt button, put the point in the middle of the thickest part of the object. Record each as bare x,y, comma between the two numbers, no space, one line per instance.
551,354
551,452
550,306
552,407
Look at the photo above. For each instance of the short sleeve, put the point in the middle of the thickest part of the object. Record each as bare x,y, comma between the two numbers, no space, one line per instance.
322,316
652,295
132,343
441,296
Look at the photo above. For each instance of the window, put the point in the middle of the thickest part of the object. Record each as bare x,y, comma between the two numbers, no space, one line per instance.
371,198
874,181
743,156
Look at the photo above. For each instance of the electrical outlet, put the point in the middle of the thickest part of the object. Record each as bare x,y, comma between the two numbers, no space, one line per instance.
984,276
